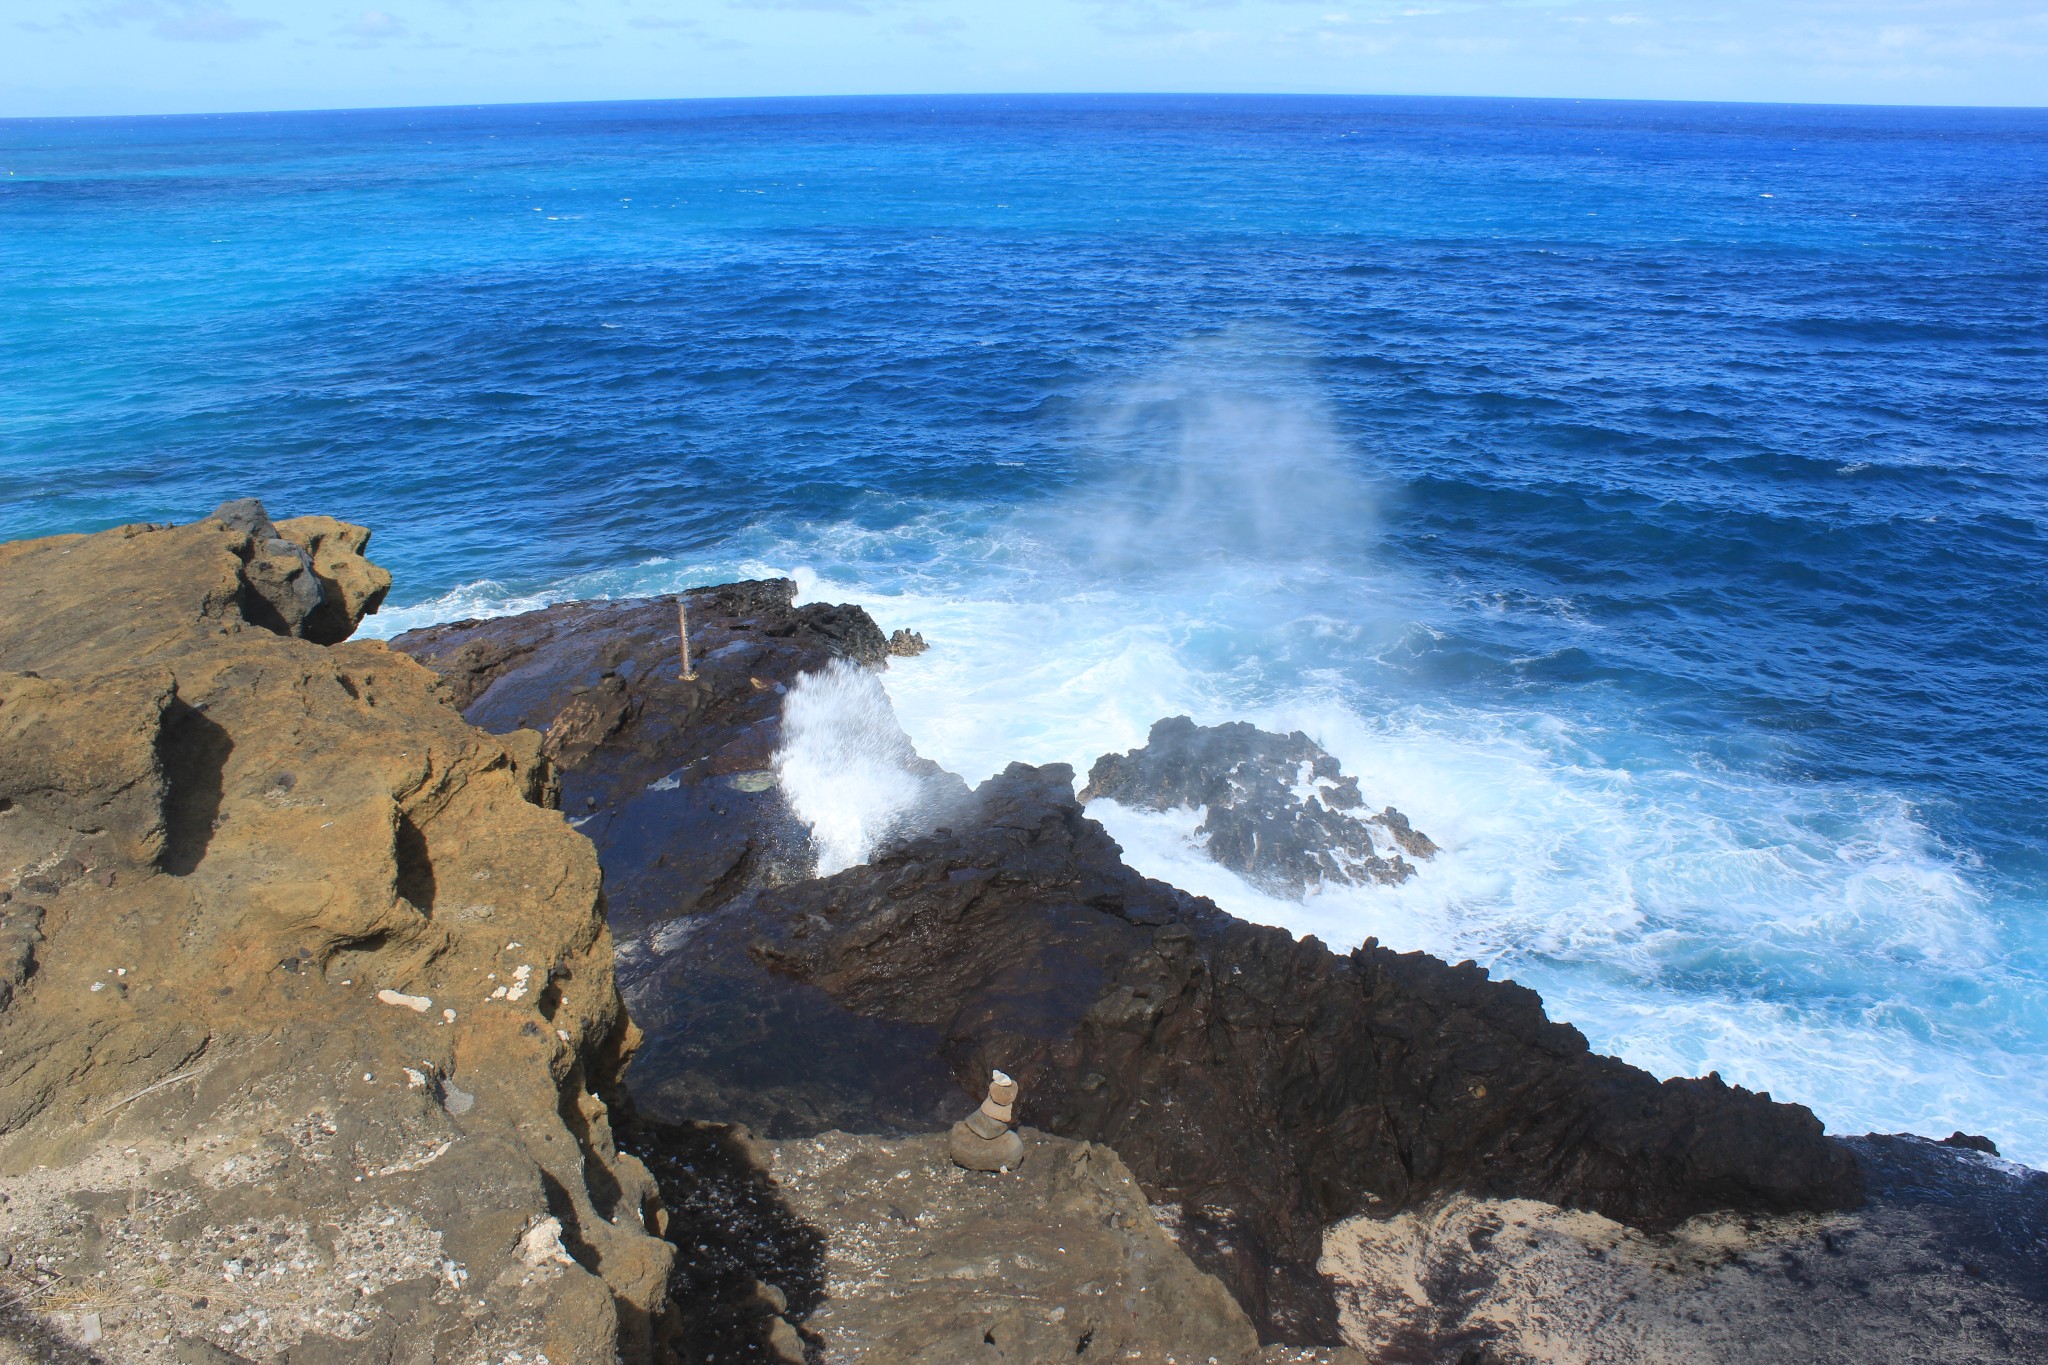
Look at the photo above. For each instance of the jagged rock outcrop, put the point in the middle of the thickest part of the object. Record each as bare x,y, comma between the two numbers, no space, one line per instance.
351,587
1267,1086
1275,807
311,1030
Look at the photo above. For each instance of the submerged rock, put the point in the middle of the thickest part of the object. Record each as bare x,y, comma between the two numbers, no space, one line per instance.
1276,808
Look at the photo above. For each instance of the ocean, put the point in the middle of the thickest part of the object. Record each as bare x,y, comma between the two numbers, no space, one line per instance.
1650,500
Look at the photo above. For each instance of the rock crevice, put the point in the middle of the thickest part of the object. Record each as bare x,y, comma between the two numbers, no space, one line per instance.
257,885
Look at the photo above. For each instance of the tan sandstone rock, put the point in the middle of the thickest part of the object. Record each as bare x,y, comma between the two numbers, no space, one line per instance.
352,587
218,845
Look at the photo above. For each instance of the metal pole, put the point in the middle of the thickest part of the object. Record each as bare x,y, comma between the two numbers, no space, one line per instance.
683,618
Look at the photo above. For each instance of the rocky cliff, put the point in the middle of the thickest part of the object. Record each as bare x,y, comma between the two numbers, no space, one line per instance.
1266,1086
314,1045
310,1032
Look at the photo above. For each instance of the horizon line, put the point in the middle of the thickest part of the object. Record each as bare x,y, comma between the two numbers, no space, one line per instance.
1014,94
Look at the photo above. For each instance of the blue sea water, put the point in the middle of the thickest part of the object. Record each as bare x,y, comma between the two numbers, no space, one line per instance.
1647,498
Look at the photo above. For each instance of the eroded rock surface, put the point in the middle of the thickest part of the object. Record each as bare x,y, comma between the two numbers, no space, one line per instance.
928,1264
1268,1087
1277,809
1944,1263
311,1028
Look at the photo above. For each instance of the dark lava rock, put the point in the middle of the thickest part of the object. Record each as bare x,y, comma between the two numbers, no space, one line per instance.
668,776
748,1258
1265,1087
671,779
1268,1087
1259,821
1971,1141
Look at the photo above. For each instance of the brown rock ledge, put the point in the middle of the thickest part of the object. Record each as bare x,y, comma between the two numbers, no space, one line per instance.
1943,1264
1062,1260
311,1031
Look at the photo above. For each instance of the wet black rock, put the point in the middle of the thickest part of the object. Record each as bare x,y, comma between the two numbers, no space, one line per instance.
1267,1087
1277,807
671,778
1263,1087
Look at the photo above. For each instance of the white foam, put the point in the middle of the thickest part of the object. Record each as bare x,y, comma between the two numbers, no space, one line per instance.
1797,937
1806,938
845,766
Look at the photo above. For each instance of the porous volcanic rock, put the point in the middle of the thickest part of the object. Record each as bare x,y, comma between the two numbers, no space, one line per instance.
1267,1087
311,1030
1062,1260
1943,1263
1276,808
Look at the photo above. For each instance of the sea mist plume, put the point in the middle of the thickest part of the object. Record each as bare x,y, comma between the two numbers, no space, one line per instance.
1222,457
849,772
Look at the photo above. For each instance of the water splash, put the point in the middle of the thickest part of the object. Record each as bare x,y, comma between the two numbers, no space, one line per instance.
848,770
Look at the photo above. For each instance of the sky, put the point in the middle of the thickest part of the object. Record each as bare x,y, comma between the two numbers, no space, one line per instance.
80,57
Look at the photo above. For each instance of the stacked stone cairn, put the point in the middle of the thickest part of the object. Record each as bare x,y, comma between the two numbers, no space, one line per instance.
984,1140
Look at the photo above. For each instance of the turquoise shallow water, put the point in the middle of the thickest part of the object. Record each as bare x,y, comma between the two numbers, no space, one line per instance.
1647,498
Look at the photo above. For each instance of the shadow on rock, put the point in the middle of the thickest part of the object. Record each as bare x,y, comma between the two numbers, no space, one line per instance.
747,1267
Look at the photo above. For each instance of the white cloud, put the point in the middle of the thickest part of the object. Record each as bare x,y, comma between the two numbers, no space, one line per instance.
822,6
373,26
184,21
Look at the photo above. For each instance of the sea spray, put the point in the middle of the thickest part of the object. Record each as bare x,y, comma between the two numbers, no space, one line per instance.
847,769
1223,457
1708,638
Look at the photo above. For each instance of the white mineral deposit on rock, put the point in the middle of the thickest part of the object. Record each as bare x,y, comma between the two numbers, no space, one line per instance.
541,1244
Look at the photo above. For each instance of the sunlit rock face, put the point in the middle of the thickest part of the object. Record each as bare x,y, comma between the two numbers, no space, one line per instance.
309,995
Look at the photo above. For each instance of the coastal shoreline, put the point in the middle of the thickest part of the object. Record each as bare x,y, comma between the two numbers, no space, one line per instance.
181,706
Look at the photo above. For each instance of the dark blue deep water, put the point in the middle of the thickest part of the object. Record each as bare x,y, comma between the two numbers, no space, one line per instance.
1649,499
